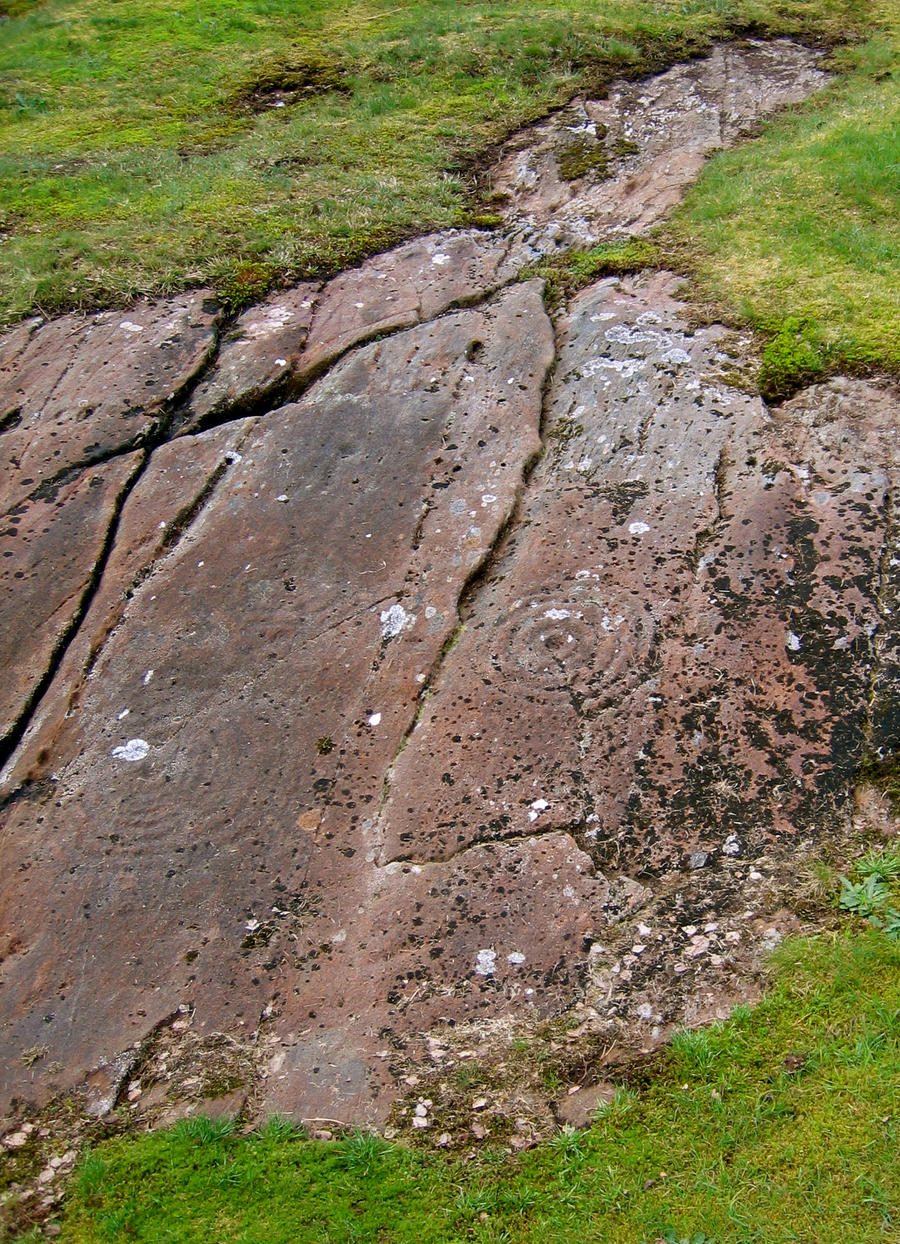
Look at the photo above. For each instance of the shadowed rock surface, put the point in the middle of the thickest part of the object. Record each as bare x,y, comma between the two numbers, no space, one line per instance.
502,671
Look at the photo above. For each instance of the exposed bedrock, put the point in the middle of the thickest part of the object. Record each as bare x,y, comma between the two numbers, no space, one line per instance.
619,165
416,700
295,334
675,646
81,388
259,680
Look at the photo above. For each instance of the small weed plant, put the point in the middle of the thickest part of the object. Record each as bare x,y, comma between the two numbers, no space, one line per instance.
873,892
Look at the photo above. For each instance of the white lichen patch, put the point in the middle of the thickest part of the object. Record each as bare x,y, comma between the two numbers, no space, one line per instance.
676,357
638,528
134,749
395,620
485,962
537,807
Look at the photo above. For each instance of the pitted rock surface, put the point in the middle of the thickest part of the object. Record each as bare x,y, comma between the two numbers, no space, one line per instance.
501,673
255,356
675,645
619,165
294,335
304,610
416,282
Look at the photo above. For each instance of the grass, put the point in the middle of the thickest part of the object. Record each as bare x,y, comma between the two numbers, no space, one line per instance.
142,151
778,1125
799,230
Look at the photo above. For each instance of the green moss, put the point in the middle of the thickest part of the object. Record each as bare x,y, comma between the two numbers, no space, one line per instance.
240,285
792,358
564,275
623,147
584,156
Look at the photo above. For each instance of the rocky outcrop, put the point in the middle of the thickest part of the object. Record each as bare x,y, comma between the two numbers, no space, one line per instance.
402,664
619,165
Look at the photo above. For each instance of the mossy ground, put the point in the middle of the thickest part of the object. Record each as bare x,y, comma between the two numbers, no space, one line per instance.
145,147
779,1125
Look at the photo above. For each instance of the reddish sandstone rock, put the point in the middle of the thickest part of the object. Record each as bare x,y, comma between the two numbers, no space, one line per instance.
178,481
49,550
256,355
279,346
277,799
413,283
673,650
270,667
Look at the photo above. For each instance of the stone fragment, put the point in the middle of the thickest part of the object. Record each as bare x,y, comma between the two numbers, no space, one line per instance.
256,356
619,165
579,1108
79,389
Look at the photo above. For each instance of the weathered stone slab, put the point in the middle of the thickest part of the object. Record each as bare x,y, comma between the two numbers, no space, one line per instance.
255,356
671,658
48,553
295,334
174,486
503,930
79,389
413,283
270,666
619,165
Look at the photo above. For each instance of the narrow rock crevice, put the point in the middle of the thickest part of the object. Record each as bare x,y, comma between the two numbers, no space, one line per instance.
292,386
706,535
170,540
172,537
16,733
480,572
516,837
